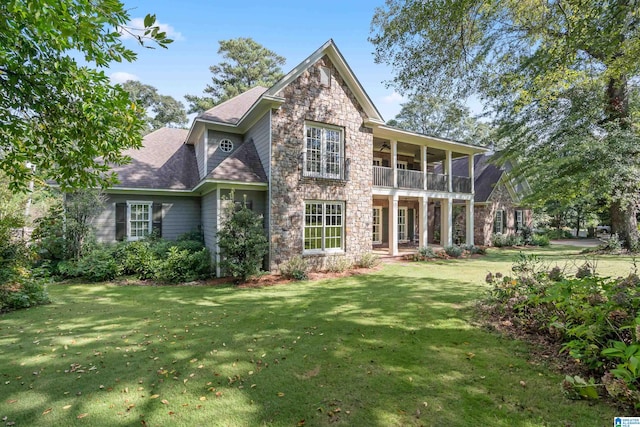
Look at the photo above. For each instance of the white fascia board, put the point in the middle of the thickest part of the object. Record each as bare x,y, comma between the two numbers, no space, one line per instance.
215,183
149,191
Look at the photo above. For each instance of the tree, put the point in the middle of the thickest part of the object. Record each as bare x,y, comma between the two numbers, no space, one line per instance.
166,110
247,64
438,116
556,75
242,241
64,118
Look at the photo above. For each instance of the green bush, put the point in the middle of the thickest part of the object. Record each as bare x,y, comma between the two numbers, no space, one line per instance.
338,264
499,240
540,240
424,253
296,268
596,320
368,260
242,241
181,265
454,251
138,258
554,234
99,265
22,290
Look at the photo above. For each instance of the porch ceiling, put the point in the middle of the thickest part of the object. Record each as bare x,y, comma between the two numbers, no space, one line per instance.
434,155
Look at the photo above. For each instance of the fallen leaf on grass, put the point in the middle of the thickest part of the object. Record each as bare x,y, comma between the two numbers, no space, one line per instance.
523,384
11,401
280,394
65,407
203,398
82,415
165,401
155,396
46,411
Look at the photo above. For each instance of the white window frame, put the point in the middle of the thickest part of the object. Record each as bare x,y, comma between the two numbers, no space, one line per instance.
226,142
376,228
402,165
519,219
403,225
377,161
323,227
319,162
130,204
498,220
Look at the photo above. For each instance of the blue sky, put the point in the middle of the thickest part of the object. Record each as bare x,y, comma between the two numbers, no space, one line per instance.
293,29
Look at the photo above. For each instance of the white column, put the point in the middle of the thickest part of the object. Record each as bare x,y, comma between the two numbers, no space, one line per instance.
217,247
424,167
472,173
469,221
393,225
447,171
449,221
423,221
394,162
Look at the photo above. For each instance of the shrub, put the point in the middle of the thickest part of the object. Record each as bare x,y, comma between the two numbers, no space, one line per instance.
613,244
540,240
23,291
338,264
368,260
296,268
472,249
181,265
242,241
499,240
425,252
555,233
100,264
453,251
138,258
514,240
527,235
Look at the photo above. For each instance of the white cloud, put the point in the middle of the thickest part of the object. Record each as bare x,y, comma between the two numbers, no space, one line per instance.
121,77
136,27
394,98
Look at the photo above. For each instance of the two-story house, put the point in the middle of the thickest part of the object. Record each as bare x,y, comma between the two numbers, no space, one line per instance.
312,154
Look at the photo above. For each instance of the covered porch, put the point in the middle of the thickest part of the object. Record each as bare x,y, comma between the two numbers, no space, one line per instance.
403,222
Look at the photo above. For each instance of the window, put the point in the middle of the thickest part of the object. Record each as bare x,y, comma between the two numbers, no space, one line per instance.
226,145
401,165
139,219
519,220
402,225
323,226
377,161
498,224
377,225
323,152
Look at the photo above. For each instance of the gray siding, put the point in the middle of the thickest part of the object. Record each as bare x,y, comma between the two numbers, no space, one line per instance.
209,220
261,134
179,215
215,156
258,199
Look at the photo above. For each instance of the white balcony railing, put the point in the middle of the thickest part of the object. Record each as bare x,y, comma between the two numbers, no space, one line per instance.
383,177
410,179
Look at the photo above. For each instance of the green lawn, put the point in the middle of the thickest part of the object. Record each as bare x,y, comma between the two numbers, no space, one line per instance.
396,347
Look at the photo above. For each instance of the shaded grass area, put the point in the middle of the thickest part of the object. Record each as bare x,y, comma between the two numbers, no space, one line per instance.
396,347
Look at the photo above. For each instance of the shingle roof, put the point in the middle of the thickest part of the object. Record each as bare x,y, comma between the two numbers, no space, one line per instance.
232,110
242,165
163,162
486,174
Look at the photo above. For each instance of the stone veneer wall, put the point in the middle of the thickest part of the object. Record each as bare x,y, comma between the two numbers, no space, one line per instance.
307,100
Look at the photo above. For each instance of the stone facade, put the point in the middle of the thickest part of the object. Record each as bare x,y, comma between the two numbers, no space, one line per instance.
484,215
308,100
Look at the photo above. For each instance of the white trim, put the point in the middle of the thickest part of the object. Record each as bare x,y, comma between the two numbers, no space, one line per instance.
499,214
405,224
217,245
379,225
404,163
130,203
378,160
205,150
324,226
324,157
148,191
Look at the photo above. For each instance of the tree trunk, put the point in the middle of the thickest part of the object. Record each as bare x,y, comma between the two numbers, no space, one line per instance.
624,222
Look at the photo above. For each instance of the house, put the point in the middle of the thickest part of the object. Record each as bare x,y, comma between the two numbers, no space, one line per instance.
497,201
312,154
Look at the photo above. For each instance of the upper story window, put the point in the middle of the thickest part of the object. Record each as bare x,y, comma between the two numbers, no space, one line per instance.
325,76
226,145
324,152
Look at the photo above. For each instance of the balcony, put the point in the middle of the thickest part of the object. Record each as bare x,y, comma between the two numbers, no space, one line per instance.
383,177
329,166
